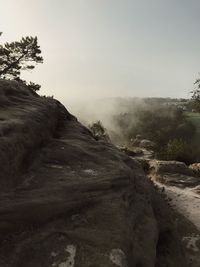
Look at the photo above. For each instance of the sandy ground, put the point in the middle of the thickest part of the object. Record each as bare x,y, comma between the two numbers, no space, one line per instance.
186,203
186,206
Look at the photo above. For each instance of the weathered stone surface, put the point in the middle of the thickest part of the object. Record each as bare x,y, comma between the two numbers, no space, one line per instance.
70,200
196,189
147,144
173,173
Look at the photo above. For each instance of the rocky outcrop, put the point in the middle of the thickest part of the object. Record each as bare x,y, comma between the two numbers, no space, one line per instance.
177,182
130,151
139,141
27,122
173,173
147,144
68,199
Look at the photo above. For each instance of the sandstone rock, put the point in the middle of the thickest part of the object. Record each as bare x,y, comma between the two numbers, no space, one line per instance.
146,144
196,189
173,173
70,200
132,152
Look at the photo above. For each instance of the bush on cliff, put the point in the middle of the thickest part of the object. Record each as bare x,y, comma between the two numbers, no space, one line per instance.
99,131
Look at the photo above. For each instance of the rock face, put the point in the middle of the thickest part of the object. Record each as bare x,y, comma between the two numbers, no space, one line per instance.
27,122
70,200
173,173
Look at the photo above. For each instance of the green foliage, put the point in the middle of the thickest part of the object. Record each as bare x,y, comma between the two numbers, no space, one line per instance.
32,86
99,131
167,126
176,149
185,130
180,150
196,95
157,123
97,127
18,56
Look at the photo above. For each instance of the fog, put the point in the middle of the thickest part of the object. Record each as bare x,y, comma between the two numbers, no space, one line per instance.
109,48
88,111
125,118
108,111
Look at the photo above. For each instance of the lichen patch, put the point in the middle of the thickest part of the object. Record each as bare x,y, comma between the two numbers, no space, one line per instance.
118,257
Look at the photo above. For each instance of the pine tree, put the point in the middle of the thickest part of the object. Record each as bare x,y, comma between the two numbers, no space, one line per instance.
18,56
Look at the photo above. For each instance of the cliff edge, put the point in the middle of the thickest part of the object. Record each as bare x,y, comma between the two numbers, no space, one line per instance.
68,199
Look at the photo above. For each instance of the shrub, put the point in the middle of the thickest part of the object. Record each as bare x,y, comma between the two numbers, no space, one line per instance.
177,149
99,131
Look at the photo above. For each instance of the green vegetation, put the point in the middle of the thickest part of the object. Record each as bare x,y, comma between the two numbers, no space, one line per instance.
18,56
167,126
99,131
177,149
194,118
196,96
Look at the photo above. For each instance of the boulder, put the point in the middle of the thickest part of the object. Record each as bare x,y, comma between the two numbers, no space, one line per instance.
132,152
147,144
173,173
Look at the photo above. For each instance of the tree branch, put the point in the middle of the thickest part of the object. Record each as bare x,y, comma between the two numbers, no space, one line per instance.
5,70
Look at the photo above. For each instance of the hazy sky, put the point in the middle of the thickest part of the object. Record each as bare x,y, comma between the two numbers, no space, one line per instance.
100,48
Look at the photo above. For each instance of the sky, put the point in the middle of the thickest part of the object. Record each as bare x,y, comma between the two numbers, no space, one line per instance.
109,48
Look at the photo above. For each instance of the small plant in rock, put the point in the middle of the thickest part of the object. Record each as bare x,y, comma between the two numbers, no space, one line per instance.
99,131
